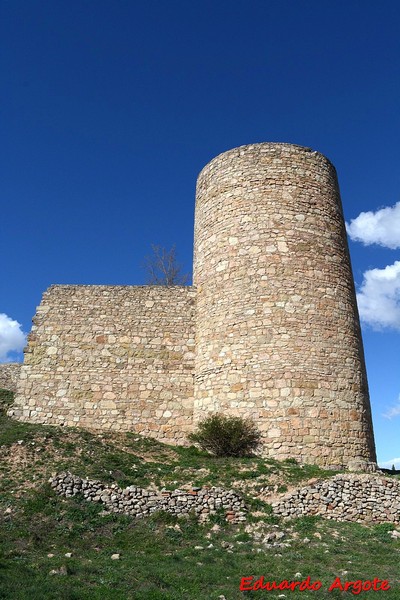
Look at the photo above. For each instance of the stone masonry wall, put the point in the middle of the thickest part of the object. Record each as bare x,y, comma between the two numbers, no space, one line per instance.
277,330
111,357
278,334
140,503
9,373
345,497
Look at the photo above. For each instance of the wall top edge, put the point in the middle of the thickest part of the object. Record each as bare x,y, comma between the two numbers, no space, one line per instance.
268,147
120,287
12,363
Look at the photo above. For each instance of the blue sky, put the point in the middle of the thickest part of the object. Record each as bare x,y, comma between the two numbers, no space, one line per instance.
111,108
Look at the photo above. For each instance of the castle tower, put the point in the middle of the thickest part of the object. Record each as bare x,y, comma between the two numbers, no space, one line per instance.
278,335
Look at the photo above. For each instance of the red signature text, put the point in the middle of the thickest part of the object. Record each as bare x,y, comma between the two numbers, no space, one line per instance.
358,586
247,584
355,587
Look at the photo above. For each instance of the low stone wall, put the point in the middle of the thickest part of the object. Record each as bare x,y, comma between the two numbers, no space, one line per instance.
349,497
140,503
9,374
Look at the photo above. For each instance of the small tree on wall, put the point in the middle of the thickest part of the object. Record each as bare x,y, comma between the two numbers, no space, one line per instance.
162,267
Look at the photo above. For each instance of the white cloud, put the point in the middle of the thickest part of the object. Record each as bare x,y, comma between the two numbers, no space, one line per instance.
387,464
12,338
394,411
381,227
378,297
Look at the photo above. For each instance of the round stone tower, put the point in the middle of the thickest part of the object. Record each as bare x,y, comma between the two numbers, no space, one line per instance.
278,333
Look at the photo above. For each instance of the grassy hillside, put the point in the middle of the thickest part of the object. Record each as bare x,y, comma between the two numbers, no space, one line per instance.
56,548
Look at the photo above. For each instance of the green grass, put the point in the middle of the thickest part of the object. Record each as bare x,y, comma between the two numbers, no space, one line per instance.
6,398
158,556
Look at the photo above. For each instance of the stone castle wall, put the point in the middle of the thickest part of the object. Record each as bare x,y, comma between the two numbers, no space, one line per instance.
278,334
277,330
9,374
111,357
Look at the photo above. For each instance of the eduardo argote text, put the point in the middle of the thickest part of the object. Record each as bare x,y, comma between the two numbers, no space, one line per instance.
355,587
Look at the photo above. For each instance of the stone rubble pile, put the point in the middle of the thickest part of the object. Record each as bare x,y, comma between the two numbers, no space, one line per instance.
140,503
345,497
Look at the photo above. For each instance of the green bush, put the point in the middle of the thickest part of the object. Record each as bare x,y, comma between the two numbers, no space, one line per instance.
227,436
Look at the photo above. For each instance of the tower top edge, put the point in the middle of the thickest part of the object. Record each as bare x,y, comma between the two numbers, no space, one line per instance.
268,147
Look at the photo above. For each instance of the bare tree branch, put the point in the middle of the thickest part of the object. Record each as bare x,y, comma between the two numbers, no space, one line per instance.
162,267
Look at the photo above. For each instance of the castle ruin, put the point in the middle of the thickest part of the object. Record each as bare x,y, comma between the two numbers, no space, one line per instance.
269,329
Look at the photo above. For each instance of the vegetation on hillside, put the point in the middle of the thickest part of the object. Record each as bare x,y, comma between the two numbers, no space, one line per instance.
227,435
57,548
